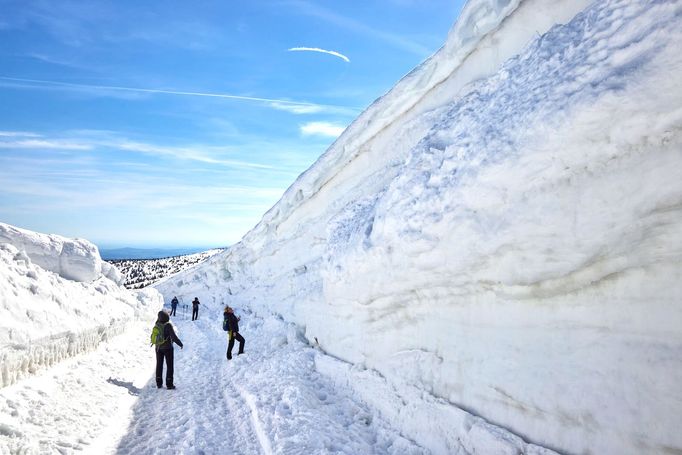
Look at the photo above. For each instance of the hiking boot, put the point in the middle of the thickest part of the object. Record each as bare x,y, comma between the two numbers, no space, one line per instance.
170,387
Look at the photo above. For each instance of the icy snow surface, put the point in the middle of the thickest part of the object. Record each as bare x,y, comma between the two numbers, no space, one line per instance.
503,237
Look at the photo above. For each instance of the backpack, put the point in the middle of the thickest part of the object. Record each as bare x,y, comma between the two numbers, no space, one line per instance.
226,325
157,338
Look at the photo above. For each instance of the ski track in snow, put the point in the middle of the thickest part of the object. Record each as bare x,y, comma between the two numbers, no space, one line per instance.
255,421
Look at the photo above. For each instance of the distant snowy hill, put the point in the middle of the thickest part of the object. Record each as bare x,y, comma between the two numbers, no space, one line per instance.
498,236
109,254
140,273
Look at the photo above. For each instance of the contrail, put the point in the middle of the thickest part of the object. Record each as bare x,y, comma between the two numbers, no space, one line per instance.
324,51
172,92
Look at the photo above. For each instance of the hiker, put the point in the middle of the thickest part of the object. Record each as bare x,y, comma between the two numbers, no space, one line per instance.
195,309
232,323
174,305
164,348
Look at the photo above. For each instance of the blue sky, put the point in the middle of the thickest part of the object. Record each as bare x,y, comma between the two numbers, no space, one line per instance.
180,123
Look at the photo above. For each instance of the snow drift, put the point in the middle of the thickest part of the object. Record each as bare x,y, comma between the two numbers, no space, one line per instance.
55,302
501,231
73,259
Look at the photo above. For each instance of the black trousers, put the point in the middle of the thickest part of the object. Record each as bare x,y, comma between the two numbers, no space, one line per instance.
168,355
195,313
230,345
173,308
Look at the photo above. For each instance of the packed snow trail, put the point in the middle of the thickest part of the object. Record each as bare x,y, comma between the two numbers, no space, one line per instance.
192,417
269,400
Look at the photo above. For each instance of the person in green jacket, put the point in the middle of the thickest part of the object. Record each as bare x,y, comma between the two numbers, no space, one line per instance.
164,349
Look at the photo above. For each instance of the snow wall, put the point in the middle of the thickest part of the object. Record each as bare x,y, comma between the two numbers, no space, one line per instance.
73,259
58,299
502,229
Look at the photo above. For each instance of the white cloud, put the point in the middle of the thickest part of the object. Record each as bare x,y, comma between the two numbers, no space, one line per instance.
203,154
297,108
311,108
18,134
94,140
292,106
321,129
44,144
322,51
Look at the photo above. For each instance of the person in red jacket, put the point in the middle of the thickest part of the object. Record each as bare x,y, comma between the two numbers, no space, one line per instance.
233,332
164,350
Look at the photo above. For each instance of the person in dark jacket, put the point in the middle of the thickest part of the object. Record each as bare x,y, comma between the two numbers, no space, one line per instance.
174,305
233,332
195,309
165,350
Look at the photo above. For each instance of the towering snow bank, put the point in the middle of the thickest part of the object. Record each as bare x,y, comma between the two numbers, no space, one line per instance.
485,35
502,229
45,317
73,259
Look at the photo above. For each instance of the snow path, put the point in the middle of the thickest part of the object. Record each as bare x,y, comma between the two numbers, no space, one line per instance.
197,417
271,400
78,404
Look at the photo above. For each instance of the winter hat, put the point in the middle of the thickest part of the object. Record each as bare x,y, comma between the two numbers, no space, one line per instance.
163,316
